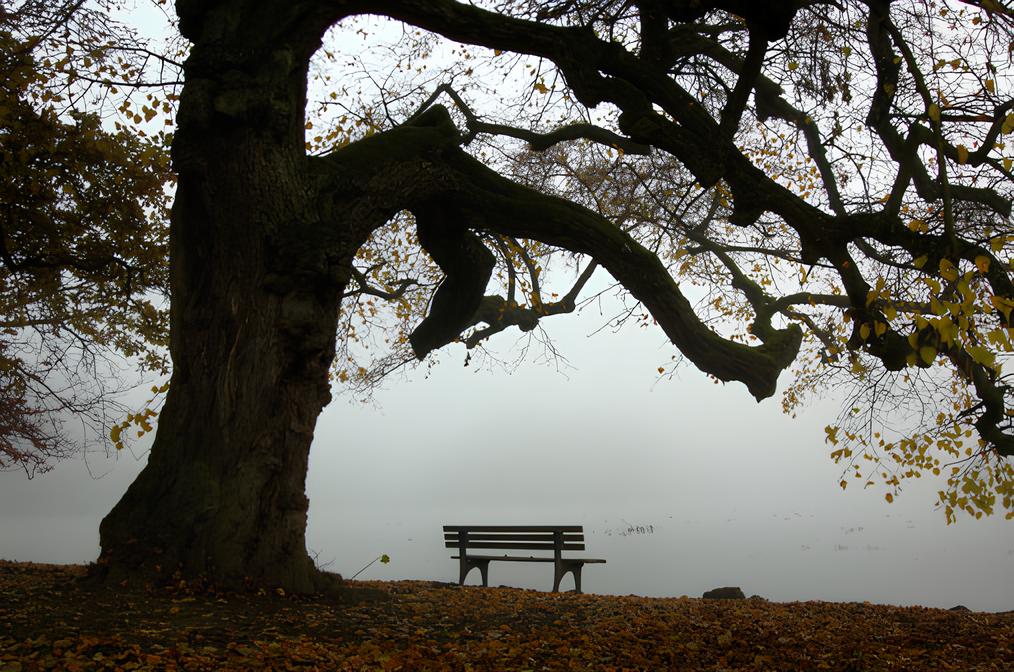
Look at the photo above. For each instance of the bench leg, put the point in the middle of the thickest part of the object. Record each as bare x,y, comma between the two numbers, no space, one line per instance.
467,566
561,571
484,571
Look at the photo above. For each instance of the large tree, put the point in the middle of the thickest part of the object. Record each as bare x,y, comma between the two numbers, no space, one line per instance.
893,231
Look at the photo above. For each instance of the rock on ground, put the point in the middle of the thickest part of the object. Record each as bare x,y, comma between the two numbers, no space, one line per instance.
727,593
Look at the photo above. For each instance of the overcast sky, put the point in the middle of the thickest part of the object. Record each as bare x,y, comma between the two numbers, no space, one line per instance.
727,491
719,490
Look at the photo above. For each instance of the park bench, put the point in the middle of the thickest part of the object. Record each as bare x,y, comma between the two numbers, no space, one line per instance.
549,538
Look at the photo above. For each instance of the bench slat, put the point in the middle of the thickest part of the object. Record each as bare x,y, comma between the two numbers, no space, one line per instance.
510,558
516,558
515,545
568,537
512,528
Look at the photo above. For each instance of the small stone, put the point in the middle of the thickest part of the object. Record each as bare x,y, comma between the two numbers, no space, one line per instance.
726,593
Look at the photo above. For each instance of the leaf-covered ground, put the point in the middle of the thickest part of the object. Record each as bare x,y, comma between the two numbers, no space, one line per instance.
50,620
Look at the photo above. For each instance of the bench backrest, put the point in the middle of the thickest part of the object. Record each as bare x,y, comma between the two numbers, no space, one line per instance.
553,538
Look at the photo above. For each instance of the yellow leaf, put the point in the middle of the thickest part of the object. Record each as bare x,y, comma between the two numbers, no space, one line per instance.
864,331
793,65
990,85
879,328
948,271
927,353
981,355
890,312
933,112
1007,162
540,87
843,484
889,497
1003,304
982,263
962,154
919,262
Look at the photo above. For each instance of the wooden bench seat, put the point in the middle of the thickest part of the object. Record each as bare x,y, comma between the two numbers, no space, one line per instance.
547,538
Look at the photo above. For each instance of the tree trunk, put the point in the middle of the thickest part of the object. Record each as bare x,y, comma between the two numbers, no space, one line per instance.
255,296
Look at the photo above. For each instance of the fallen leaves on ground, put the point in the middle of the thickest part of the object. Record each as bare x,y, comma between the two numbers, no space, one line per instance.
51,620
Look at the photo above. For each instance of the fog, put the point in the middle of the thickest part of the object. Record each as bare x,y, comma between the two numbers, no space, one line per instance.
682,486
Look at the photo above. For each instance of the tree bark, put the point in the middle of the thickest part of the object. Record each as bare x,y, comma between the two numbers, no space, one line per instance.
255,294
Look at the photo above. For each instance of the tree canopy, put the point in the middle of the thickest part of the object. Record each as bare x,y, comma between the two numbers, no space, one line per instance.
83,237
834,177
820,187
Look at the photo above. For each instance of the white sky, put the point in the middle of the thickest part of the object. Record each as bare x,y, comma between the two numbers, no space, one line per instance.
735,493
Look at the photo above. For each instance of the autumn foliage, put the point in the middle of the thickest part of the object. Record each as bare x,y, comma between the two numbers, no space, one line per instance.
840,172
83,235
834,179
50,622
